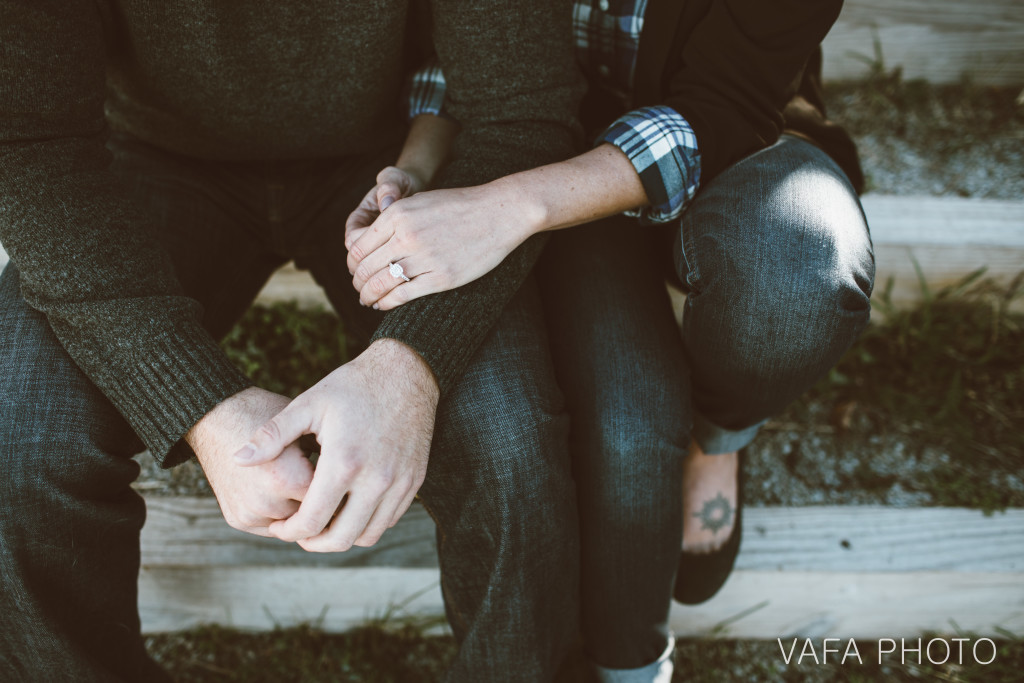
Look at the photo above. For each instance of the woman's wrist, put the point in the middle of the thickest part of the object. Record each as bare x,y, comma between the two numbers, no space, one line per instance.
513,196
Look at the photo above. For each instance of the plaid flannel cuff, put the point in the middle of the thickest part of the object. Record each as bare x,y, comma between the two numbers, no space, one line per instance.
426,92
663,148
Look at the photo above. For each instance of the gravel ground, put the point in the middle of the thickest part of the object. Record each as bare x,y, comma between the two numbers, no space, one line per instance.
916,139
993,170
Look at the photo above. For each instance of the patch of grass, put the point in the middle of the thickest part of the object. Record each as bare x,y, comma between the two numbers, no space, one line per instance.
950,374
287,349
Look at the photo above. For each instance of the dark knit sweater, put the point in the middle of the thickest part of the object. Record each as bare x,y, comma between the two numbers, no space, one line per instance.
241,81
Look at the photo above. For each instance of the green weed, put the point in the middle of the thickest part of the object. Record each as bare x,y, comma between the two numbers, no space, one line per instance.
287,349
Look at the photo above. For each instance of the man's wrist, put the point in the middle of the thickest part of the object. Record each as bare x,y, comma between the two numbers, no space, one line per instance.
221,416
392,356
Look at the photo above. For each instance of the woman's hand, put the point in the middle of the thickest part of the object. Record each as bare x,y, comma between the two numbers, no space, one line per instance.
393,183
441,239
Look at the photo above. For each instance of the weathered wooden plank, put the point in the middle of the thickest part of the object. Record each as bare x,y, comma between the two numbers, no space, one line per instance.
289,284
336,598
188,531
852,605
882,539
837,571
191,532
947,237
945,221
937,40
752,604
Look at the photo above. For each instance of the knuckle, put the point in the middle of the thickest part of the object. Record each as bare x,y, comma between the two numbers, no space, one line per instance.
378,482
377,286
347,472
399,216
369,539
307,529
233,521
363,272
245,521
270,431
408,239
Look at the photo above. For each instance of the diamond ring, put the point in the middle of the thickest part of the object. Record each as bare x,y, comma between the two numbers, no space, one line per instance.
396,270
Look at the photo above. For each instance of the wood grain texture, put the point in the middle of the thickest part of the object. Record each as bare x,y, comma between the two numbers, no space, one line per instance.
850,605
839,571
335,599
190,532
752,604
937,40
945,221
947,237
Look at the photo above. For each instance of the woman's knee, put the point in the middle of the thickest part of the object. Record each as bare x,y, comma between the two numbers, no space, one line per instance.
788,273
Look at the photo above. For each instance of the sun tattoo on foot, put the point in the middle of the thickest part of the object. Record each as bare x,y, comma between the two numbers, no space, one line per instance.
716,514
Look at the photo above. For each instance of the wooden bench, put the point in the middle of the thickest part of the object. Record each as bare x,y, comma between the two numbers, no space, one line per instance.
864,572
941,41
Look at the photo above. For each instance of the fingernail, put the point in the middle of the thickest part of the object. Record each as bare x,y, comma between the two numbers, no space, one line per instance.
376,307
386,202
246,454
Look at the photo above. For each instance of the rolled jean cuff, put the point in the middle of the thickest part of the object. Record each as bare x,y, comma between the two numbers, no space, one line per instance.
658,671
715,440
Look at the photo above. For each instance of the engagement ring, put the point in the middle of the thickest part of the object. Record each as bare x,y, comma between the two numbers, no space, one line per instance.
396,271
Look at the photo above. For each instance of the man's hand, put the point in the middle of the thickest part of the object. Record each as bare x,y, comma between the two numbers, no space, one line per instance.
393,183
374,419
251,498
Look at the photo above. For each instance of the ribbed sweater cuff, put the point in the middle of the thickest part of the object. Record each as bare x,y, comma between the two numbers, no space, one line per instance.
181,378
446,329
431,331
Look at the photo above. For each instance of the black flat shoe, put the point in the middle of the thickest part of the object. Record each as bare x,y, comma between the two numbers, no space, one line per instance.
701,575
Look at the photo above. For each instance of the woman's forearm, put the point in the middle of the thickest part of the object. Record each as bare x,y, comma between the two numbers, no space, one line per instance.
426,147
593,185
